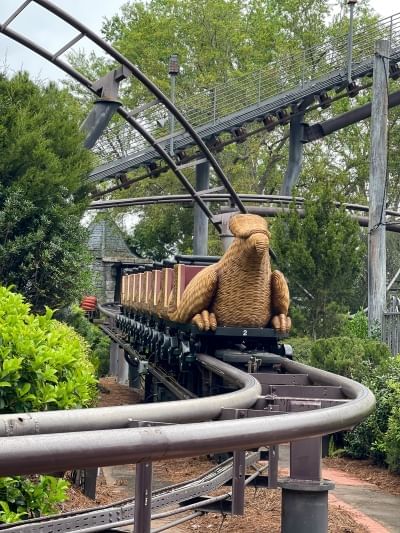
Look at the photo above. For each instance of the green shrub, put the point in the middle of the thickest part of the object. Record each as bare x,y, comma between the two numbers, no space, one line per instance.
44,364
99,343
301,349
378,436
348,356
356,326
23,498
391,439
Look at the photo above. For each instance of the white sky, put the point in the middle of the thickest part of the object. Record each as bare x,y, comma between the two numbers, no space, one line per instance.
45,29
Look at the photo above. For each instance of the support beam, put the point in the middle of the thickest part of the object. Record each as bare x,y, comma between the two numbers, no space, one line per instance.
226,235
377,188
295,154
143,487
322,129
200,230
98,119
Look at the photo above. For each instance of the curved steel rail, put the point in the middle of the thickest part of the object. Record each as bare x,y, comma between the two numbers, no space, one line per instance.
184,199
45,453
218,197
107,418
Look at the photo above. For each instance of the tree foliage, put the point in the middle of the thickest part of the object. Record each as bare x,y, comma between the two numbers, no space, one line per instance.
322,251
43,166
215,41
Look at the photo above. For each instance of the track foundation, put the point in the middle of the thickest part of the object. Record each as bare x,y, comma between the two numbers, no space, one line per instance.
305,505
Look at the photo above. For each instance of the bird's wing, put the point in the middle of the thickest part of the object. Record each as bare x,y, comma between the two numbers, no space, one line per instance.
279,293
197,296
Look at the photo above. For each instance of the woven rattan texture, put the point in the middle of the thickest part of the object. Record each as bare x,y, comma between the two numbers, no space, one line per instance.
240,289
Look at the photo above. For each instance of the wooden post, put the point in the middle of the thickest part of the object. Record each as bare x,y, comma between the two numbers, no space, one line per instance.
377,189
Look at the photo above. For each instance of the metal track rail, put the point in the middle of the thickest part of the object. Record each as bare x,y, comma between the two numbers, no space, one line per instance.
122,513
246,115
107,418
62,451
332,403
220,197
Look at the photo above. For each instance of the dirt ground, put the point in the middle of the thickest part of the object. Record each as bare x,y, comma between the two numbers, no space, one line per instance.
262,510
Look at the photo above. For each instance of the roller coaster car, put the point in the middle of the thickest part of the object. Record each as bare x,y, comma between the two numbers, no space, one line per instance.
148,292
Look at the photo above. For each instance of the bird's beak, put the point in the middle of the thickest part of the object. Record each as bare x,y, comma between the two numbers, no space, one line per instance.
260,242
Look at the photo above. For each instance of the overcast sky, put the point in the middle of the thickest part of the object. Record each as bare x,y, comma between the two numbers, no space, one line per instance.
44,29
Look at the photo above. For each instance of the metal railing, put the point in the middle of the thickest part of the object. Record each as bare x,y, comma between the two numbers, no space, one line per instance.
391,331
62,451
208,106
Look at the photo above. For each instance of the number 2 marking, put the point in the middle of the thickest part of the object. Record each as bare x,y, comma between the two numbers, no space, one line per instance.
245,333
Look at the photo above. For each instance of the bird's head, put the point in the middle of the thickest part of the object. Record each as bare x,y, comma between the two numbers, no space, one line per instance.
252,233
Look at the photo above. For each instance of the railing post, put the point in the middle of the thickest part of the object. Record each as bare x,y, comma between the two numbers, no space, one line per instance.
143,483
215,105
238,482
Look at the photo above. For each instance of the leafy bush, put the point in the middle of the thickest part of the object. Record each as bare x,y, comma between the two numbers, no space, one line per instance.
348,356
301,349
378,437
22,498
99,343
392,436
44,364
356,326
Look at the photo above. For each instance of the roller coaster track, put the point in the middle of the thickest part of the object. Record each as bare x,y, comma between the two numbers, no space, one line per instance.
272,95
283,401
126,68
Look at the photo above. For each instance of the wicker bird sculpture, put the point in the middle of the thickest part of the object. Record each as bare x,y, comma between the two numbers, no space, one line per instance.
240,290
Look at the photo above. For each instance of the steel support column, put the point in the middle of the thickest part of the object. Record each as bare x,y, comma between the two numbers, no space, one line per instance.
377,188
200,230
295,154
114,348
143,484
238,482
97,120
304,493
123,368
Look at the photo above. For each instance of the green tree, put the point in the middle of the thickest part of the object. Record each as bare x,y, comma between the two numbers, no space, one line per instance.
43,192
224,40
215,41
322,252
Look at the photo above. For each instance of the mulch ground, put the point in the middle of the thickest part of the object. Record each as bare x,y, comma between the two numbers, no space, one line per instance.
263,507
